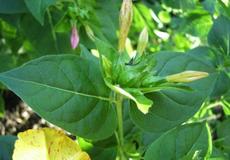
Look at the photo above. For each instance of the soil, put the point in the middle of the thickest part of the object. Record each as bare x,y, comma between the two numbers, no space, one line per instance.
18,116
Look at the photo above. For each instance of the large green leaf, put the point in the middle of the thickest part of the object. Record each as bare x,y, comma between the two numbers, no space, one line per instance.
12,6
6,147
192,141
38,8
172,107
68,91
219,36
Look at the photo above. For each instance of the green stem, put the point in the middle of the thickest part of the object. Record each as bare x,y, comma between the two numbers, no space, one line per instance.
52,29
120,135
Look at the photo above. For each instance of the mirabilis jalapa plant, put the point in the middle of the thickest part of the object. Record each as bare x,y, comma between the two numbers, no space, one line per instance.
88,96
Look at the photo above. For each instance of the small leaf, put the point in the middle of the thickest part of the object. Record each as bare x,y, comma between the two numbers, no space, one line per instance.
226,107
143,103
191,141
47,144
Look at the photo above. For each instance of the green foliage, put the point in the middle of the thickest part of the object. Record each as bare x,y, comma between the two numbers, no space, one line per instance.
219,35
12,6
2,106
191,141
223,130
6,147
180,4
38,8
121,105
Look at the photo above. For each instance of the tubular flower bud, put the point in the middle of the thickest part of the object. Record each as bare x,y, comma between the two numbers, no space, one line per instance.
186,76
89,32
74,39
143,41
125,20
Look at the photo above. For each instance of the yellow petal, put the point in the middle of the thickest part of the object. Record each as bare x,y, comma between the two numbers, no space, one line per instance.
47,144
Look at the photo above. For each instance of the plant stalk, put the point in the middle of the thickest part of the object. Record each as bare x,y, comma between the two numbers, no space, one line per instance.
52,30
120,136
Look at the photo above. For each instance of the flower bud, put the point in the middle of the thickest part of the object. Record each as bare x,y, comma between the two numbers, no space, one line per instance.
89,32
143,41
74,37
186,76
125,20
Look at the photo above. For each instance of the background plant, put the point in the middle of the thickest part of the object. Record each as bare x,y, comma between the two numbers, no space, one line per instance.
87,93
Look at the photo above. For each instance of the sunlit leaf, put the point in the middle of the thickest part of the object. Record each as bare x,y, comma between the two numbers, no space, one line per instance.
47,144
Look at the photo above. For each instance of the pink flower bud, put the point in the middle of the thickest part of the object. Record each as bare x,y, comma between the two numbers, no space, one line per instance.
74,38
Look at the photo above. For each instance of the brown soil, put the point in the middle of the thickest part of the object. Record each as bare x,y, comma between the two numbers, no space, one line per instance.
18,116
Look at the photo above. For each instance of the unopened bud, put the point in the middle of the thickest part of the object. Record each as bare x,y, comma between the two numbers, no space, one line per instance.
89,32
186,76
74,39
143,41
125,20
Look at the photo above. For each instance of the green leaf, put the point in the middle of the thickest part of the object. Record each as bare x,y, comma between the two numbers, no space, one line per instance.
6,147
226,107
143,103
221,79
12,6
173,107
219,35
222,85
38,8
2,106
200,24
43,41
217,154
97,153
7,61
223,130
107,13
191,141
68,91
180,4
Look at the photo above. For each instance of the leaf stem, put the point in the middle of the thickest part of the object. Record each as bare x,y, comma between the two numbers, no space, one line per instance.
120,136
52,30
